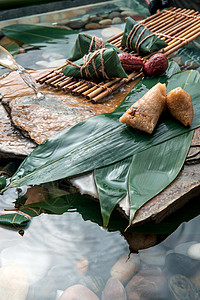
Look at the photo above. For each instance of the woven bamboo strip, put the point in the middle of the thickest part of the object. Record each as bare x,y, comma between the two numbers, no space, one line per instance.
82,85
83,89
48,74
63,83
158,23
53,83
179,45
167,24
102,88
177,28
180,36
115,87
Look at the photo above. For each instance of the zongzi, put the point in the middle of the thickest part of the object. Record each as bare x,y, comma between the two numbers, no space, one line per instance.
86,43
145,112
102,63
137,37
179,103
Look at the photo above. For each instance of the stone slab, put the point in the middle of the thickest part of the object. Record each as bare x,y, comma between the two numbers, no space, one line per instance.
12,143
41,119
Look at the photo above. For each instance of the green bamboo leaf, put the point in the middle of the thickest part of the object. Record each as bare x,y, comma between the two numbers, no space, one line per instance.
112,181
112,186
142,176
15,220
102,140
155,168
13,48
31,34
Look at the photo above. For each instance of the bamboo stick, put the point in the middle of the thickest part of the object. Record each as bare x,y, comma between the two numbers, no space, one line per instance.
71,86
58,68
114,37
175,29
165,20
84,84
84,94
115,87
177,46
178,36
63,83
53,83
83,89
52,79
192,31
167,24
102,88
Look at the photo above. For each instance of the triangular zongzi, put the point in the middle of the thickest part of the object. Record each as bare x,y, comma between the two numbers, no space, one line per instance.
103,63
137,37
179,103
145,112
86,43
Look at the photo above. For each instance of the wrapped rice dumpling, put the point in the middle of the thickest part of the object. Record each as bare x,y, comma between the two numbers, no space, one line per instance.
145,112
138,38
179,103
86,43
102,63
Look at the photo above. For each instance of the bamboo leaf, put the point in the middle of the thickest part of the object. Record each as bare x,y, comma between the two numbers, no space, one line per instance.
141,176
13,48
155,168
102,140
31,34
112,186
15,220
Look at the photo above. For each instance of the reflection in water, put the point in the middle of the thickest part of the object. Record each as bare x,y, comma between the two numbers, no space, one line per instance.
65,253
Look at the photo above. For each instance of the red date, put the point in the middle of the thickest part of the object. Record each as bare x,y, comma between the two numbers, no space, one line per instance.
156,65
130,62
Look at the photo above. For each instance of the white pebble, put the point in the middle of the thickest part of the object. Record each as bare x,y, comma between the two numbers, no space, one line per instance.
194,251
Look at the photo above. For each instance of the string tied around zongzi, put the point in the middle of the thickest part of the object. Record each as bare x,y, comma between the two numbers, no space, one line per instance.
132,34
90,59
98,42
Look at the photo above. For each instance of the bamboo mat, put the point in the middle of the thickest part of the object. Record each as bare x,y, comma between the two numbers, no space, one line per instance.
176,26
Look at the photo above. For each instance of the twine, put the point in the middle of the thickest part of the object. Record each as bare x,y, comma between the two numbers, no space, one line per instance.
132,34
171,37
90,59
185,15
98,43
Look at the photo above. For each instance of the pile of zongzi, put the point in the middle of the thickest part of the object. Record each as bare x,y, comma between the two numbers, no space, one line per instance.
145,112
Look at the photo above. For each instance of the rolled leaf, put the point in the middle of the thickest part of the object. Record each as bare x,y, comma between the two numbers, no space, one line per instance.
83,45
101,65
143,40
15,220
102,140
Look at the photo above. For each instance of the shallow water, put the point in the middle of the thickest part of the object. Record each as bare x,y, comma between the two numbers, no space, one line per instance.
58,251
